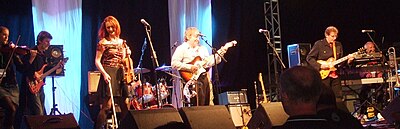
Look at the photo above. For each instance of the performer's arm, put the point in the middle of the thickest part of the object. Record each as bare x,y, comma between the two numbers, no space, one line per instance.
99,53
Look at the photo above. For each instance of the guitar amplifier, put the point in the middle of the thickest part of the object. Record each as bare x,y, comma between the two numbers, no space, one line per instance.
232,97
93,81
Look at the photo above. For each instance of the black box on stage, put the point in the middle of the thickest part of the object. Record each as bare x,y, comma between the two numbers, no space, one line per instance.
297,54
232,97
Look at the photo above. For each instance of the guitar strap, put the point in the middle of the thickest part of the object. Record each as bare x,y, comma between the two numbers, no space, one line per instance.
334,50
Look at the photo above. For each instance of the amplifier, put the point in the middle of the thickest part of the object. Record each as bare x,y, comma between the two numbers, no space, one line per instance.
232,97
93,81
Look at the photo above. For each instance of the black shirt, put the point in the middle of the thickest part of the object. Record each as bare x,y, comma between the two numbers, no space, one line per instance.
307,122
322,51
36,65
15,64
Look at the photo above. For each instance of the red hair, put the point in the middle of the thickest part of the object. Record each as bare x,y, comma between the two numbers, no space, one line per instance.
103,30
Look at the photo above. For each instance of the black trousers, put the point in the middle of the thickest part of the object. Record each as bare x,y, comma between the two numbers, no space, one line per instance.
203,91
335,85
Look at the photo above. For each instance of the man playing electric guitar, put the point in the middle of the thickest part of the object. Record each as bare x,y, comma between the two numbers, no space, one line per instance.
34,61
328,49
192,59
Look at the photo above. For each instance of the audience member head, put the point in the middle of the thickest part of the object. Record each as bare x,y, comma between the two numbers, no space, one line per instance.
300,90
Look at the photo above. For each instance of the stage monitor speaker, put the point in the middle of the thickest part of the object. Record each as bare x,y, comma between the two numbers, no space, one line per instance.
51,122
268,115
207,117
297,54
93,81
391,112
240,113
153,119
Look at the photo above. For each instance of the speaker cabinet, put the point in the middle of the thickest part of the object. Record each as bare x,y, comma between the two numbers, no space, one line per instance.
268,115
93,81
240,114
207,117
55,54
153,119
297,54
52,122
391,113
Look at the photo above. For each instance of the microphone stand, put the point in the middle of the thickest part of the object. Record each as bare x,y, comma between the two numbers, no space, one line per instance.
214,52
141,69
373,41
273,48
154,62
377,48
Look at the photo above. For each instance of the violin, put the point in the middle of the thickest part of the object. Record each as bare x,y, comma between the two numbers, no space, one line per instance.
20,50
129,76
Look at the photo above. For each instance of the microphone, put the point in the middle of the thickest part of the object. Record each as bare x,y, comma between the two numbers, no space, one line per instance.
367,31
175,44
144,22
201,35
262,31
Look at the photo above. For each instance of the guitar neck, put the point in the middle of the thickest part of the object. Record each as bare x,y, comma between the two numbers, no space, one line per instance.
342,59
47,73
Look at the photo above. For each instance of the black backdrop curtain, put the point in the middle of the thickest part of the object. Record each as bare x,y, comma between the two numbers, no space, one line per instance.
240,20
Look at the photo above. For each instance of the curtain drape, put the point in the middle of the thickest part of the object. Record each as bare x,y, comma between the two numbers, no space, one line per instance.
63,20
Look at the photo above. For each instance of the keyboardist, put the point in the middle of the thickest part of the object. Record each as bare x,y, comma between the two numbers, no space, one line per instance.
370,51
371,92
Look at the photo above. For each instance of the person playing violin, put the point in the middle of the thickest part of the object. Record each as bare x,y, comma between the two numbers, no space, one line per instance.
110,53
9,91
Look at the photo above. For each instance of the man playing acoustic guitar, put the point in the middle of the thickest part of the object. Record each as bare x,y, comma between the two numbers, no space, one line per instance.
191,59
324,55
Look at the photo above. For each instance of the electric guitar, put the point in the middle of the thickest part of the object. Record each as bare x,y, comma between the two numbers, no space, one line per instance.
260,78
36,83
191,77
332,62
197,61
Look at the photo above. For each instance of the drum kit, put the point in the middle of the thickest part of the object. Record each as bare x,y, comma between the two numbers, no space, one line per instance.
147,93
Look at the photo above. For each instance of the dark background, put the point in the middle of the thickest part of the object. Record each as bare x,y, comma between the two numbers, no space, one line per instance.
302,21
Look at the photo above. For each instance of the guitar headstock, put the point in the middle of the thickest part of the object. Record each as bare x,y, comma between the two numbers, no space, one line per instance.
62,62
361,51
231,44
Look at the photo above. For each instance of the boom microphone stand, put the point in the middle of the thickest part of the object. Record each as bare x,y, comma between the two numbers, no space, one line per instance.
214,52
276,55
141,70
154,59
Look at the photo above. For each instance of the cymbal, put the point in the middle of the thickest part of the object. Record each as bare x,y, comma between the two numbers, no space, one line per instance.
164,68
143,70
